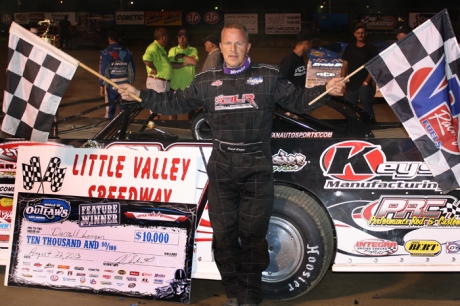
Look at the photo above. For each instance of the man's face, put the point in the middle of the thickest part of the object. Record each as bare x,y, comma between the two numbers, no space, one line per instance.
208,46
234,46
164,40
360,34
307,45
183,41
400,36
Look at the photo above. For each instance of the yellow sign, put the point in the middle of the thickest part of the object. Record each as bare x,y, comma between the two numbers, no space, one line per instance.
423,247
163,18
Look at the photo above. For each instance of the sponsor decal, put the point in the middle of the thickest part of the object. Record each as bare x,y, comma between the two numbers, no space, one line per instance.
82,280
158,281
94,275
160,275
120,284
171,18
63,267
53,174
80,268
6,202
93,282
376,247
131,285
37,264
107,276
4,238
452,247
193,18
409,212
60,272
108,271
170,254
118,277
25,269
26,275
134,273
155,216
131,279
235,102
359,165
288,162
80,274
93,270
145,280
286,135
49,271
211,18
67,279
54,278
121,272
106,283
147,274
70,273
325,74
26,263
38,270
47,210
325,63
49,266
423,247
103,214
217,83
255,80
112,264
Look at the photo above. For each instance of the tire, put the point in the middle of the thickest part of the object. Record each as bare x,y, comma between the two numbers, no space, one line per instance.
199,126
301,245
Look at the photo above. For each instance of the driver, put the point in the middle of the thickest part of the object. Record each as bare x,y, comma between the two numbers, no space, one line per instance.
238,98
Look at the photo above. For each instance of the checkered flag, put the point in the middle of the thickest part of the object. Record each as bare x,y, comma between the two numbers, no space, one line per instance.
37,76
54,174
31,173
419,78
450,210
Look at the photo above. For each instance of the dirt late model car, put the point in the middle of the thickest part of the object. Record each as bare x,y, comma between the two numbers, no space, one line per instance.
346,195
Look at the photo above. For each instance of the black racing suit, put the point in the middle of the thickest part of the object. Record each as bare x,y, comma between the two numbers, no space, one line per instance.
238,109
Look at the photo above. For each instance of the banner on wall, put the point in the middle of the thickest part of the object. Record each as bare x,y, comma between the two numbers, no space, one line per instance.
58,16
379,24
129,17
416,19
163,18
329,23
22,18
249,20
104,221
203,18
282,23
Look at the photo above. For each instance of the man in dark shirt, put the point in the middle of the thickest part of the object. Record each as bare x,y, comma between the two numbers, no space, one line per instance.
361,86
65,30
292,66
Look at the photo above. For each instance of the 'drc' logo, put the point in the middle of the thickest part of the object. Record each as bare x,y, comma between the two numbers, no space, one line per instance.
352,160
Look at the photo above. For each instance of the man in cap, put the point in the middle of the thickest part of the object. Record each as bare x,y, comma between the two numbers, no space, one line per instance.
159,69
292,66
184,59
211,45
402,31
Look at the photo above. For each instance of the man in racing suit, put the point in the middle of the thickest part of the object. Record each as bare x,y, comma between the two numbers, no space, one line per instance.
238,99
115,63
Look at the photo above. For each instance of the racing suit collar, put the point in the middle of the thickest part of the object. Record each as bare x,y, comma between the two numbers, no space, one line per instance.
241,69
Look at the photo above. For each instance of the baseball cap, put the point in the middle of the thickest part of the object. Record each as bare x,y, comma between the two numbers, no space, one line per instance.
212,38
183,32
304,35
406,29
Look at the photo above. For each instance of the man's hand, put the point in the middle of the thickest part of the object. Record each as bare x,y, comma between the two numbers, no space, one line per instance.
124,91
178,56
101,91
337,85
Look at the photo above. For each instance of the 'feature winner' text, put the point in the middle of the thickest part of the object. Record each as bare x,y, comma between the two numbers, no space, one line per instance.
108,166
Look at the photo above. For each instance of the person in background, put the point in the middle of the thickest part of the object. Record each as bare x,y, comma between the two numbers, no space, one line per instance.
360,87
184,59
293,66
65,31
402,31
159,68
238,99
117,64
214,58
